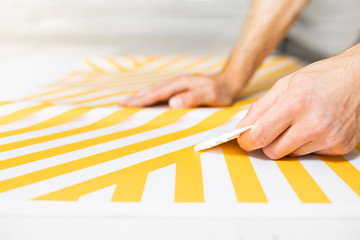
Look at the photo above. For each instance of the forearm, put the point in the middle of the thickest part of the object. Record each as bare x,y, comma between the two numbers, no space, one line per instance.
266,24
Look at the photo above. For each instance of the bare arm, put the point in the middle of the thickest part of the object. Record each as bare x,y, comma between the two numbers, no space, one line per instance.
266,25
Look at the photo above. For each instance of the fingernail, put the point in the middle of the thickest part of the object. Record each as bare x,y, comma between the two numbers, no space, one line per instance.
176,102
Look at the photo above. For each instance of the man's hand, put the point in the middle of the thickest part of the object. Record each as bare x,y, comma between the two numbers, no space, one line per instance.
186,91
314,110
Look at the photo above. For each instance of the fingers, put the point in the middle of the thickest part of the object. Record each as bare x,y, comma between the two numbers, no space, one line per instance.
197,97
288,142
182,92
158,92
305,149
269,126
260,106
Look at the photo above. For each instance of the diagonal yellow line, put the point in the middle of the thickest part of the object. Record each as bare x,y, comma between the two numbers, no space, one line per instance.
169,64
218,118
94,66
130,181
102,97
5,103
46,93
164,119
347,172
113,119
301,181
22,113
217,65
243,176
134,61
54,121
116,64
72,95
258,84
194,64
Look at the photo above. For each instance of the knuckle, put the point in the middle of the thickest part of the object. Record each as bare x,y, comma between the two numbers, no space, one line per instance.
319,126
344,147
335,142
297,103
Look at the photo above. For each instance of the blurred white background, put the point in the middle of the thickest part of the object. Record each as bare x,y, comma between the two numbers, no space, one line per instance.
136,26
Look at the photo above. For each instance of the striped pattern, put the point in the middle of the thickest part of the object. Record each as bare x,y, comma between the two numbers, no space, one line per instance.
104,81
70,142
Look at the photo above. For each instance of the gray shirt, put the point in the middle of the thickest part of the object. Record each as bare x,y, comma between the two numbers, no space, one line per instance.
325,28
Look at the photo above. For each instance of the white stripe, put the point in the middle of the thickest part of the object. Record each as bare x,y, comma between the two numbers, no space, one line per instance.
157,63
64,93
69,179
277,189
333,187
84,97
218,187
35,118
84,120
13,107
107,100
160,186
268,70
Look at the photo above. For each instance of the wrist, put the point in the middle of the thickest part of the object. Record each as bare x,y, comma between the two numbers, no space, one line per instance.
233,82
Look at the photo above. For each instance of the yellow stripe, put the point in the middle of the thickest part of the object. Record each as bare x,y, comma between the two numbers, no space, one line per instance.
49,92
300,180
162,120
188,179
266,81
169,63
347,172
218,65
20,114
54,121
114,118
142,81
72,95
94,66
108,104
141,77
194,64
130,181
116,64
273,62
5,103
246,184
102,97
245,101
134,61
216,119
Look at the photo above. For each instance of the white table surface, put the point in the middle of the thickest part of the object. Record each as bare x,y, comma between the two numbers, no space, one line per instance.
25,67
